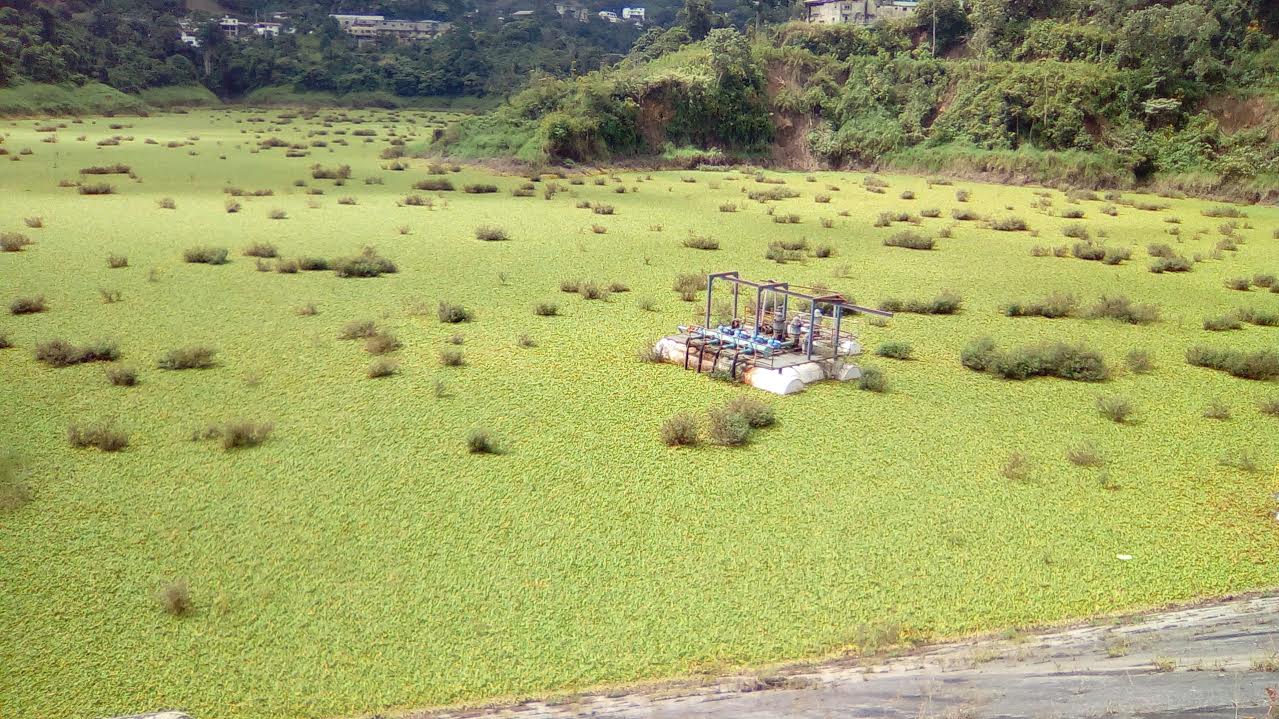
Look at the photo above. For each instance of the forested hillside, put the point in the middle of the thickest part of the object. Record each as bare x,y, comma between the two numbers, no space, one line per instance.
1093,92
134,45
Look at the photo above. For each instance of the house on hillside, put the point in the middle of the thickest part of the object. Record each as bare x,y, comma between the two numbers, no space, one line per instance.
231,26
634,14
610,16
265,29
371,27
573,10
857,12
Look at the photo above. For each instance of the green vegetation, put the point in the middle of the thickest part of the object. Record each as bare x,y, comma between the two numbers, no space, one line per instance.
365,533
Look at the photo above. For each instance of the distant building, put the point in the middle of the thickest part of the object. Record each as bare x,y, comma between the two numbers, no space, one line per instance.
573,10
267,28
230,26
189,39
521,14
609,16
371,27
857,12
635,14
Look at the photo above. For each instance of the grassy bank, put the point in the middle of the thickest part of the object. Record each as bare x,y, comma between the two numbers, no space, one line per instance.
34,99
179,96
280,96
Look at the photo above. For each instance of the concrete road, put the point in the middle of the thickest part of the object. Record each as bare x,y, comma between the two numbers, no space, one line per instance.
1219,661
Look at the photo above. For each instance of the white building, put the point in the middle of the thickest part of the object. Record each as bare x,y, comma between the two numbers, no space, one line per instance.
368,27
267,28
573,10
230,26
633,13
610,16
857,12
189,39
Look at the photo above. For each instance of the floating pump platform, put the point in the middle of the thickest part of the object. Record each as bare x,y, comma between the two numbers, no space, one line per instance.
789,340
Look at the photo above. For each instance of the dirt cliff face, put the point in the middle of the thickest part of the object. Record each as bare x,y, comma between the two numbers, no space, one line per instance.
790,145
1235,114
656,110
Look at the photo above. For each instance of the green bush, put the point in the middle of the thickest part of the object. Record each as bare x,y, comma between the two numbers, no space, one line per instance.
432,185
1222,323
313,264
479,441
193,357
680,430
491,233
27,305
1171,264
1071,362
1116,408
479,189
1139,361
1261,365
946,303
1124,310
242,434
206,255
102,435
727,428
873,379
120,376
1009,224
367,264
260,249
895,350
910,240
1054,306
450,313
757,413
60,353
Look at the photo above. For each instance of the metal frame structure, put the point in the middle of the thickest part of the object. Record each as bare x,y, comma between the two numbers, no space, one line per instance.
772,319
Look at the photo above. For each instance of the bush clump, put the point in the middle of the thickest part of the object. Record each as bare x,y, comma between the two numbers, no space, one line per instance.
449,313
193,357
680,430
357,330
1116,408
1171,264
13,241
433,185
946,303
491,233
1009,224
1124,310
27,305
728,428
366,264
102,435
546,309
701,242
479,188
895,350
382,368
479,441
757,413
910,240
1071,362
121,376
1223,323
1054,306
60,353
873,379
206,255
261,249
1261,365
243,434
1139,362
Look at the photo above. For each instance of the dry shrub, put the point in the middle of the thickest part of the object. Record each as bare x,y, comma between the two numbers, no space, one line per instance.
27,305
382,343
243,434
175,598
261,249
102,435
13,241
382,368
680,430
192,357
491,233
